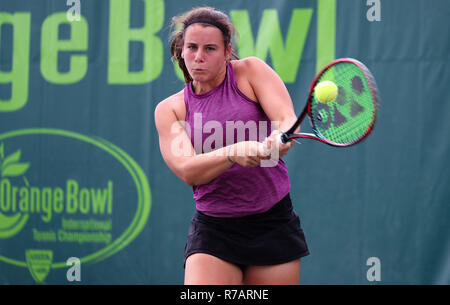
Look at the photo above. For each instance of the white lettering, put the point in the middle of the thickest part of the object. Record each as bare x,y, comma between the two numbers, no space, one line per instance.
74,272
374,272
374,12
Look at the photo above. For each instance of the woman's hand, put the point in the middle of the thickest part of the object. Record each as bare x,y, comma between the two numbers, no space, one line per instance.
271,143
248,153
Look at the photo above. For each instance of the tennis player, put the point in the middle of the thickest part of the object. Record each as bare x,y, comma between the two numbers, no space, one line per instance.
245,230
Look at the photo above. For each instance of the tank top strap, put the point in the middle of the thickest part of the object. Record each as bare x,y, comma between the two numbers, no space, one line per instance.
230,78
186,99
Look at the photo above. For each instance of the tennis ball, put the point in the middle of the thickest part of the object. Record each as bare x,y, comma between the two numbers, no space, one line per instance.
326,91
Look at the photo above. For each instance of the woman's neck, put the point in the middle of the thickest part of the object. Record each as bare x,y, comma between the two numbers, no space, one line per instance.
203,87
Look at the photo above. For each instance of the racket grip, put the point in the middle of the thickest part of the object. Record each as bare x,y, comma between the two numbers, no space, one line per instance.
283,138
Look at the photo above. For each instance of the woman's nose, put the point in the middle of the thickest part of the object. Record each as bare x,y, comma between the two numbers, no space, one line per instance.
199,56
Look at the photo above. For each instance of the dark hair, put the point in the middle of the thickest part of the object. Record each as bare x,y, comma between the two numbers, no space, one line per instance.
207,16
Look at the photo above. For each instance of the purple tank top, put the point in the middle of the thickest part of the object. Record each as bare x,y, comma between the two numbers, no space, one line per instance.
221,117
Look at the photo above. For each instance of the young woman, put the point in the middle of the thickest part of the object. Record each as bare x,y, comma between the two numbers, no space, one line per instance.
245,230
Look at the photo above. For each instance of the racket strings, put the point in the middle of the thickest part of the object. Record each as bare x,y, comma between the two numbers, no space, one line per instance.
296,141
350,116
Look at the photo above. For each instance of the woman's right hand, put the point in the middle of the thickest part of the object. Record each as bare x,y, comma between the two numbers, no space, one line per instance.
248,153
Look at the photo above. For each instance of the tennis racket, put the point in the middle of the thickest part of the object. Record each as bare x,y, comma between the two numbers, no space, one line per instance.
350,117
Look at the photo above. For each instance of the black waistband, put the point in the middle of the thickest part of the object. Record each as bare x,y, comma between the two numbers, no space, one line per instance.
280,208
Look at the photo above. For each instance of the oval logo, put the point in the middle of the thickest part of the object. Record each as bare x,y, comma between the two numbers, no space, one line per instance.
64,194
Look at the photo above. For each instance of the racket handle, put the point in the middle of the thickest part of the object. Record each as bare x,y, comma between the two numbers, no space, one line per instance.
283,138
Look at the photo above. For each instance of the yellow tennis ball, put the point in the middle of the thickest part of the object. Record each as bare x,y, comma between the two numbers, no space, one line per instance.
326,91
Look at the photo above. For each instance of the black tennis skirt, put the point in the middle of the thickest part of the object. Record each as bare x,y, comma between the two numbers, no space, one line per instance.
269,238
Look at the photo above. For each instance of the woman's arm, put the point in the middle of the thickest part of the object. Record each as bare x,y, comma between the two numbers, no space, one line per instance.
179,154
272,96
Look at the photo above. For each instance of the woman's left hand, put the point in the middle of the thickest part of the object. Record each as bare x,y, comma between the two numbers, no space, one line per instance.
271,143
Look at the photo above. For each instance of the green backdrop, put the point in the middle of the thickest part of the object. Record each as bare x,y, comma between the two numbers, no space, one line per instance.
81,171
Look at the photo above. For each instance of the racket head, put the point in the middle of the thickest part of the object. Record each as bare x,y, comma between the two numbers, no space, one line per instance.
350,117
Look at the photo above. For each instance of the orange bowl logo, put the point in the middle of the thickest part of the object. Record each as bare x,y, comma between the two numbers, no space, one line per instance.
63,194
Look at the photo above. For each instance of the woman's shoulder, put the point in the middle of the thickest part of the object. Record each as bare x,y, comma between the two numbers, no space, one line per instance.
247,72
247,64
251,68
173,104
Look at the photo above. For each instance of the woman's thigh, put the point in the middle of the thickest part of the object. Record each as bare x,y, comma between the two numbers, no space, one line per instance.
282,274
206,269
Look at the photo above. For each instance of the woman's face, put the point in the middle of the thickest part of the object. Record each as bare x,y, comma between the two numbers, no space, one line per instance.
204,52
